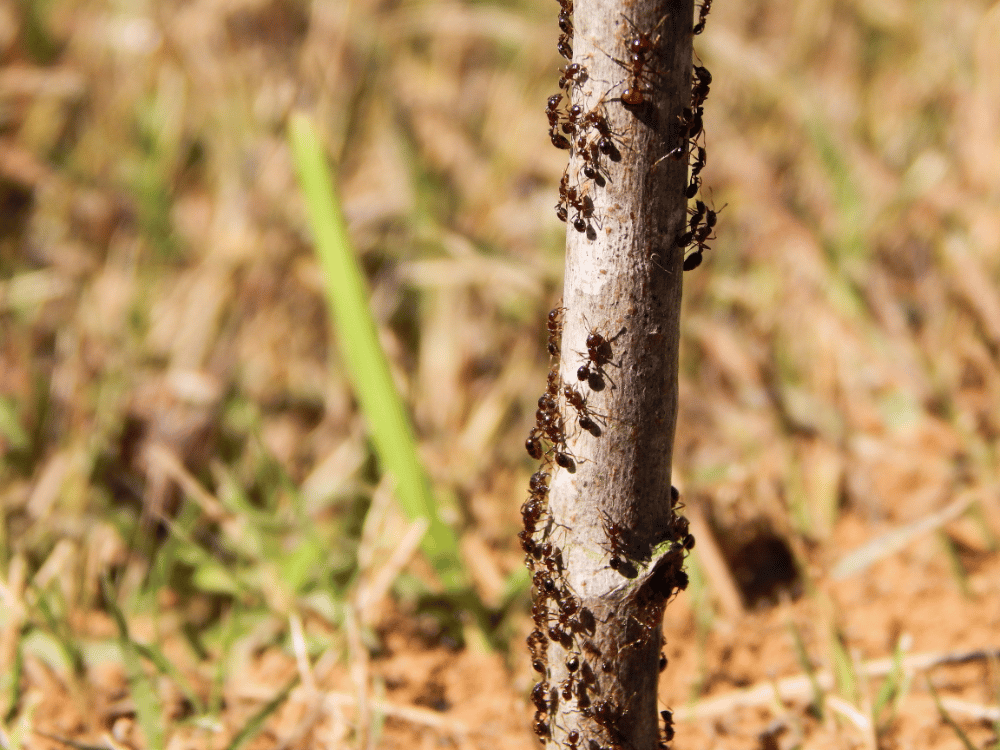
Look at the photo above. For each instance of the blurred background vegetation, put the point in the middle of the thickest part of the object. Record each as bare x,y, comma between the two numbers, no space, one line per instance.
198,546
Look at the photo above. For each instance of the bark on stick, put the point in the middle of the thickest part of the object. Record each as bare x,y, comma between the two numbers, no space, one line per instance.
613,513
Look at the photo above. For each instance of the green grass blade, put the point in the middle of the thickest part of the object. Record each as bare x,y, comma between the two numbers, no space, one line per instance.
368,369
147,703
807,666
256,723
165,667
946,717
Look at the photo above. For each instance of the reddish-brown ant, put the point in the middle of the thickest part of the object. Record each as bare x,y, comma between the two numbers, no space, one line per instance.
639,47
616,545
572,739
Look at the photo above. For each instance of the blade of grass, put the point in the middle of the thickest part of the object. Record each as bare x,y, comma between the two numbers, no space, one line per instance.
167,669
14,677
843,669
807,666
256,723
946,717
891,687
368,368
147,703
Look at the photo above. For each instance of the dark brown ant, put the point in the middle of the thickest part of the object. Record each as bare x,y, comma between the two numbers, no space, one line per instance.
575,399
537,643
539,696
539,483
540,727
663,661
527,543
697,214
565,23
668,721
569,126
552,386
614,531
693,187
706,6
565,461
538,665
572,739
584,207
699,163
692,122
552,112
702,83
533,445
573,73
531,513
555,330
689,542
564,46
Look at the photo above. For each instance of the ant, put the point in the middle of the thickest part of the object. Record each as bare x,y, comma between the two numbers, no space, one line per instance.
552,387
706,6
584,207
531,513
527,543
668,725
533,445
590,154
575,399
564,46
700,160
572,739
565,22
540,727
552,112
598,355
614,531
663,661
539,696
538,484
537,644
573,73
702,82
555,331
692,122
639,47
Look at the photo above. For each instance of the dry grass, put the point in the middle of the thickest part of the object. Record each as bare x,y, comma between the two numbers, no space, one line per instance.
173,417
